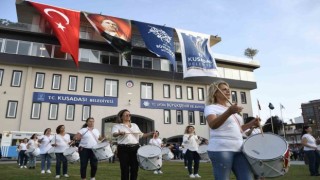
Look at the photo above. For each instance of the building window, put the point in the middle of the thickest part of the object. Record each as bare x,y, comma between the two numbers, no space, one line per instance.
1,76
179,117
137,61
70,112
39,81
73,83
88,84
16,78
88,55
245,116
243,97
53,112
178,92
86,112
24,48
111,88
1,43
234,96
109,58
36,111
41,50
146,91
11,46
147,62
191,117
12,109
189,93
202,118
167,117
56,82
166,91
200,94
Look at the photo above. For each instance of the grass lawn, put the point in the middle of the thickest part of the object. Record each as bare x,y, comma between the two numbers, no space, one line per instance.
171,170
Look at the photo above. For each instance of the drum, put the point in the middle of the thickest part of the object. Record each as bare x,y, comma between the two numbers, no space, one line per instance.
28,151
33,151
149,157
72,154
102,151
166,154
203,152
52,153
267,154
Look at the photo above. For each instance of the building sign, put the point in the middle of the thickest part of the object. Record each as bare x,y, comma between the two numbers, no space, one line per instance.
151,104
74,99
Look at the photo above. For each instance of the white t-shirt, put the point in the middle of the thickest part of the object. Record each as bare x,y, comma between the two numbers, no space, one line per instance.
45,144
62,142
311,141
228,136
33,144
23,146
192,144
156,142
89,137
133,135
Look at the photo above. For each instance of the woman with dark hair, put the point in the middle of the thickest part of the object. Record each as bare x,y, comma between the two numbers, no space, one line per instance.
61,143
310,149
89,137
32,143
45,145
128,135
191,142
156,141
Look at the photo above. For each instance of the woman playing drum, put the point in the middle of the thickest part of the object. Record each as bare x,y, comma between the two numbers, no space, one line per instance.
32,144
157,142
45,145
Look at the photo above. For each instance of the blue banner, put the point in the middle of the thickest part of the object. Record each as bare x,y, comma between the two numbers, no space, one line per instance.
151,104
158,39
74,99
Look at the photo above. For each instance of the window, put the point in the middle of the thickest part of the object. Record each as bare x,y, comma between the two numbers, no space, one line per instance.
16,78
156,64
165,65
86,111
1,43
41,50
243,98
167,117
11,46
12,109
137,61
36,111
191,117
147,62
202,118
178,92
179,67
109,58
146,91
189,93
53,111
1,76
179,117
88,55
86,32
56,81
88,84
24,48
111,88
200,94
70,112
39,82
166,91
234,96
72,83
245,116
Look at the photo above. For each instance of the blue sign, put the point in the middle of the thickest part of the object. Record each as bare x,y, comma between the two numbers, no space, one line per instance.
151,104
74,99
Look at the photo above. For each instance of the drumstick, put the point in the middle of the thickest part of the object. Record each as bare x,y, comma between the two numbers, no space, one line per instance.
260,127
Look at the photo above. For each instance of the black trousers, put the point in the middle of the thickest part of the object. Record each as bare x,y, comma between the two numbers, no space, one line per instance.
85,156
128,161
193,156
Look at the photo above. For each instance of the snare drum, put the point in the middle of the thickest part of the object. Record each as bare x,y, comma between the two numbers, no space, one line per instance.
149,157
267,154
33,151
52,153
203,152
102,151
28,151
71,154
166,154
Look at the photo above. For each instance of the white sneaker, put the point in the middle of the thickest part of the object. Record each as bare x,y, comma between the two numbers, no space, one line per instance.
42,172
57,176
160,172
192,176
66,175
48,171
155,172
25,167
197,176
93,178
186,167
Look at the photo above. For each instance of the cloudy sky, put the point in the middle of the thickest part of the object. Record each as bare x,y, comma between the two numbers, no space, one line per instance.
286,33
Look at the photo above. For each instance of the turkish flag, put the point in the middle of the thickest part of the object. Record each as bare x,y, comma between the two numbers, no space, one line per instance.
65,24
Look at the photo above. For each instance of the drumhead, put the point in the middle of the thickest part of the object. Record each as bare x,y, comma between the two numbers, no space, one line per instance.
69,151
149,151
265,147
100,145
203,149
51,150
165,150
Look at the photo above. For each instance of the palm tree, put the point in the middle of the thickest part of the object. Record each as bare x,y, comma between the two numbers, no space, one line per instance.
250,52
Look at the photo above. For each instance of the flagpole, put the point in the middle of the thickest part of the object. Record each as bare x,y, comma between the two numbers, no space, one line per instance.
271,122
284,133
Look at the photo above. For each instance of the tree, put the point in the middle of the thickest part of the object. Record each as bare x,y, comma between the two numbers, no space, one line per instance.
250,52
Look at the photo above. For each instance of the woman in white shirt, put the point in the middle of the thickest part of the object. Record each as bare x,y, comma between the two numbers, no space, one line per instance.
45,145
191,141
32,143
157,142
61,143
310,149
22,156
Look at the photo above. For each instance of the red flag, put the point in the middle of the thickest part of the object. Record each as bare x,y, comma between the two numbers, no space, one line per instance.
259,105
65,24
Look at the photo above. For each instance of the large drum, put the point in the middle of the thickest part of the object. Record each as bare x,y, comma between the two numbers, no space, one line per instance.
203,152
267,154
102,151
149,157
33,151
166,154
72,154
52,153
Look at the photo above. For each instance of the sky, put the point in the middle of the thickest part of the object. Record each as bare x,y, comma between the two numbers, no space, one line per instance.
286,33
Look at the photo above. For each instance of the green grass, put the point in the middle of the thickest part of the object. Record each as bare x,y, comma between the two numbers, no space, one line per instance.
171,170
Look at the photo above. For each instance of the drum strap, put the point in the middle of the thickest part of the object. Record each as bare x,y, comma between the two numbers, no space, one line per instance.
131,132
94,137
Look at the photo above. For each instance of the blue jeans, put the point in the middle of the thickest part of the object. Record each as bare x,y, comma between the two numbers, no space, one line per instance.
314,161
44,158
32,160
61,158
225,161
